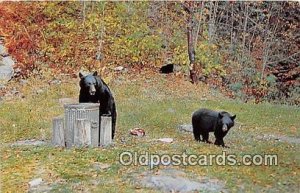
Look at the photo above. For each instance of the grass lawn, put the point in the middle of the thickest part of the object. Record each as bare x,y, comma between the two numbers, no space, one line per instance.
158,104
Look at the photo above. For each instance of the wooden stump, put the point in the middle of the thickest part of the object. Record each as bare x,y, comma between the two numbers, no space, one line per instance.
105,131
82,133
95,130
58,137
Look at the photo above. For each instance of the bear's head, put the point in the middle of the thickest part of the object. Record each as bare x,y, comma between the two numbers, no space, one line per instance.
89,82
226,120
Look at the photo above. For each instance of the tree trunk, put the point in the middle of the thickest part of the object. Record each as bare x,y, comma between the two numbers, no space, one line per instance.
191,47
199,23
245,27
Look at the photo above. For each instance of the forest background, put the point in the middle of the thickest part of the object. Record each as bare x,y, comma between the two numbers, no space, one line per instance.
248,50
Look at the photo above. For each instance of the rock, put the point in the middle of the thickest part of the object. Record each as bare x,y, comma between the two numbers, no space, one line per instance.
119,68
176,181
55,81
2,50
6,72
6,65
279,138
166,140
185,128
39,91
33,142
35,182
42,188
101,166
8,61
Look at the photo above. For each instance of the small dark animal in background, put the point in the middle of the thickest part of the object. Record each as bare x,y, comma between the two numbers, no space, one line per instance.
205,121
169,68
94,90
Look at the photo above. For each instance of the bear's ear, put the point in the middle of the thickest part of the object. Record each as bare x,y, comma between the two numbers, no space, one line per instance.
233,117
95,73
80,75
220,115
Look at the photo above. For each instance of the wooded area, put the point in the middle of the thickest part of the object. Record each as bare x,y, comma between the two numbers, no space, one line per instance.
248,50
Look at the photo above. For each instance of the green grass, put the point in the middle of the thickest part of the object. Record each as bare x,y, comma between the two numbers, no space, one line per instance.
158,106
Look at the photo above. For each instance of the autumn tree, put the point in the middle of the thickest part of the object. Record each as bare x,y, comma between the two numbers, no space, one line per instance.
191,8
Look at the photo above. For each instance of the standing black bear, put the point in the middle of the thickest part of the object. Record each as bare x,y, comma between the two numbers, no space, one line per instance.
205,121
94,90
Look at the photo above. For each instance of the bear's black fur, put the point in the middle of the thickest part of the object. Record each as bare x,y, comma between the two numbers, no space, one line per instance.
170,68
205,121
94,90
166,69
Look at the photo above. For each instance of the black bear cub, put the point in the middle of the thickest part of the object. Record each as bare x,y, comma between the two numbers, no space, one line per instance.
205,121
94,90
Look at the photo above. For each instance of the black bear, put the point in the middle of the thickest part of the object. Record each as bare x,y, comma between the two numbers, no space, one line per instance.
169,68
94,90
205,121
166,69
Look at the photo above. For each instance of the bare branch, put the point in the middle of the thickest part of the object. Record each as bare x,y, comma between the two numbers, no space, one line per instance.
283,59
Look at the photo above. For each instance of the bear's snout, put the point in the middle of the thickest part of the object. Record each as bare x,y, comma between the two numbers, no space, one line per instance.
224,128
92,90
